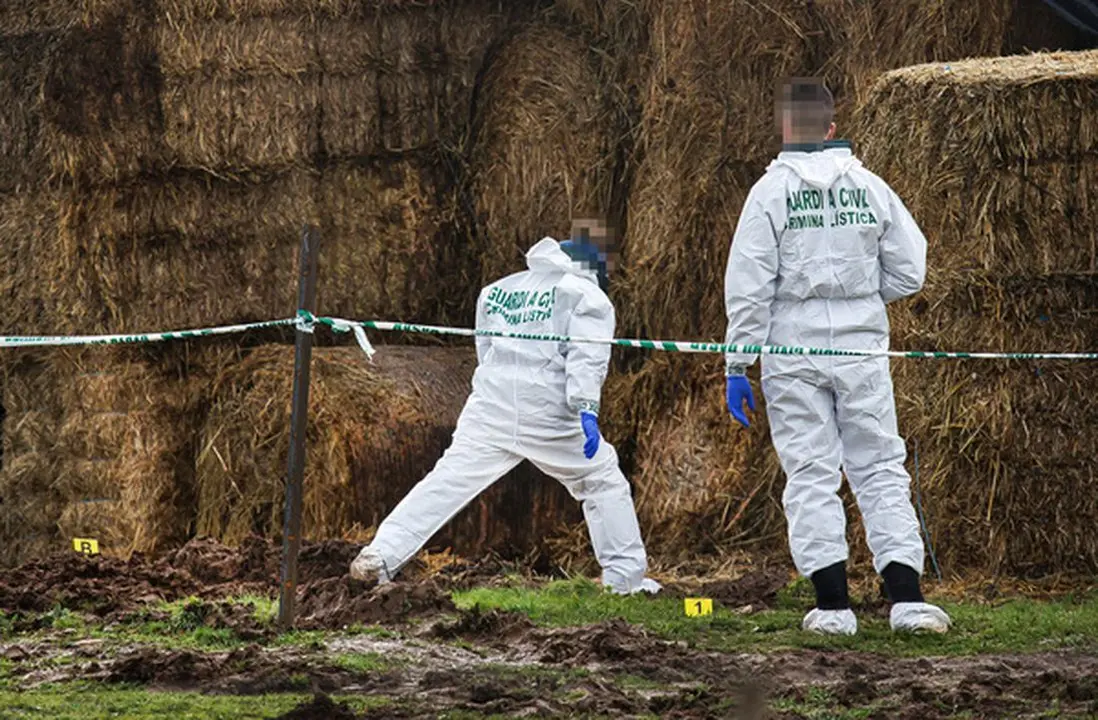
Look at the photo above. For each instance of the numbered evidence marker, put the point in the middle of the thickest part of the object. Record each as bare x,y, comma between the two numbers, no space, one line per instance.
696,607
87,546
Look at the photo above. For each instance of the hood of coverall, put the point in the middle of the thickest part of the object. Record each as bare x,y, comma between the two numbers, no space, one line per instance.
570,257
819,169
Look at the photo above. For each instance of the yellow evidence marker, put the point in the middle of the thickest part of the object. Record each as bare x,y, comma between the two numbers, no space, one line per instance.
88,546
696,607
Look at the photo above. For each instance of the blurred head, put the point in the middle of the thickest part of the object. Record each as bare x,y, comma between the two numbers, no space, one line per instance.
805,111
593,243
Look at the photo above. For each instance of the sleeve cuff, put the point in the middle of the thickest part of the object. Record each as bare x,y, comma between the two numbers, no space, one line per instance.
587,406
734,368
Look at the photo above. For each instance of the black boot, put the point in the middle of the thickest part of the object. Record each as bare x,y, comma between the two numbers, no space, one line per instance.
902,583
831,589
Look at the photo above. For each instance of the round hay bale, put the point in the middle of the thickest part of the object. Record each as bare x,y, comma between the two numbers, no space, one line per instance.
374,431
546,130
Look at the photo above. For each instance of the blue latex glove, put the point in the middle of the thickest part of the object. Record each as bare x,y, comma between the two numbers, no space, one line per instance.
590,423
738,390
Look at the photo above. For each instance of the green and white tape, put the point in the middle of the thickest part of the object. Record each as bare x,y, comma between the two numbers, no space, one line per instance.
56,340
306,322
340,325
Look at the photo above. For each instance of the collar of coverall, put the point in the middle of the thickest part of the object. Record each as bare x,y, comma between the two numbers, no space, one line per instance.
817,147
550,256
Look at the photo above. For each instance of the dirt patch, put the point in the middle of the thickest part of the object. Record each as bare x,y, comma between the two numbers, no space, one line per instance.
495,628
757,589
99,585
108,586
321,707
338,602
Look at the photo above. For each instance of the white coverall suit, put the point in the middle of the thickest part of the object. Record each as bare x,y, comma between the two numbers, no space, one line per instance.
526,403
822,245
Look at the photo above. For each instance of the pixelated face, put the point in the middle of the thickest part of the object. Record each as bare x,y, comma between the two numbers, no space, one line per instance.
601,234
798,117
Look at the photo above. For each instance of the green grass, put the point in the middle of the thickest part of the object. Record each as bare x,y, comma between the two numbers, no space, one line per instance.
72,702
819,704
365,662
1015,626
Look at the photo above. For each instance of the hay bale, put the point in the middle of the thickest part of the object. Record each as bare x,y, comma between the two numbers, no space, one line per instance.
100,99
184,250
545,134
276,90
22,68
192,250
29,231
388,245
869,38
20,17
374,431
1000,180
100,442
237,123
1004,170
284,46
703,485
29,501
705,135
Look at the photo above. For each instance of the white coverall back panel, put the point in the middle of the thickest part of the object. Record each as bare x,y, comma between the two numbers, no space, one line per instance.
822,245
525,404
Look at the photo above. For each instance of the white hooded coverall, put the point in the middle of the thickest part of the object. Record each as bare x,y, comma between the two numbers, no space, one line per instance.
822,245
526,403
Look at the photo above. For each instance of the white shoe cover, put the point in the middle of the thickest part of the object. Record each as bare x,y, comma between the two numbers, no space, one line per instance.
369,567
830,622
648,585
919,618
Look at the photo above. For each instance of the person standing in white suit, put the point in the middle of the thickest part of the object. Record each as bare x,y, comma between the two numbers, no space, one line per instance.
822,245
535,400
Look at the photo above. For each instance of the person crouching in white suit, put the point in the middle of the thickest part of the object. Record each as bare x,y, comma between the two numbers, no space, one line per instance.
534,400
821,246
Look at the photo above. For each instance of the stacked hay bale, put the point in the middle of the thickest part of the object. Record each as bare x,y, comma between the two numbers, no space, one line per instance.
867,39
999,168
375,429
547,127
169,191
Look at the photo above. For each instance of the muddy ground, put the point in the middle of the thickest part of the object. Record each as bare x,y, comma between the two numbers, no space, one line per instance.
433,658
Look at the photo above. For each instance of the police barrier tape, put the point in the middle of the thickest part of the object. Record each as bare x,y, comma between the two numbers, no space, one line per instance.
306,322
56,340
340,325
